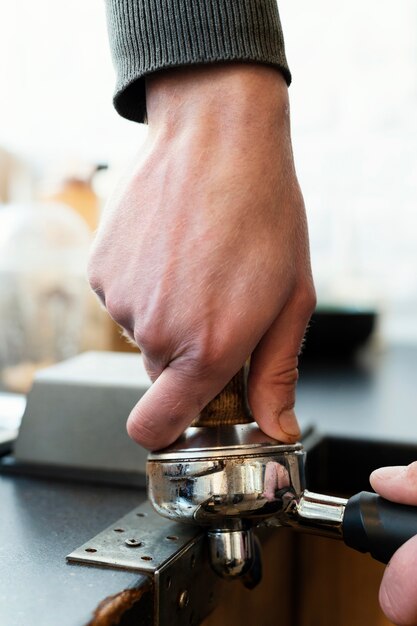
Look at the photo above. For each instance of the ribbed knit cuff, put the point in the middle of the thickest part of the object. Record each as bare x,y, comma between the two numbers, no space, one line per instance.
151,35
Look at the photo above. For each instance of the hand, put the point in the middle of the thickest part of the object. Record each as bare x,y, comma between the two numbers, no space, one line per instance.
397,594
202,254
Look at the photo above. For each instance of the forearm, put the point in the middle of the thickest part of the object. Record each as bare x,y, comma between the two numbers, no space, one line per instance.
147,36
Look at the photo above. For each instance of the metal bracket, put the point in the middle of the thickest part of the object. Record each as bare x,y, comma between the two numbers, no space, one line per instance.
175,556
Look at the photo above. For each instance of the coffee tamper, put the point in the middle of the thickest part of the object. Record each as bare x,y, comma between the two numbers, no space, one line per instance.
226,475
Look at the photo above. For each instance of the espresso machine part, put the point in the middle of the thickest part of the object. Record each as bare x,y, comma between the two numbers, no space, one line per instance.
226,475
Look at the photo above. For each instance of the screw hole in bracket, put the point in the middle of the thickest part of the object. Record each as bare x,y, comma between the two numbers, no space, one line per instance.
133,543
90,550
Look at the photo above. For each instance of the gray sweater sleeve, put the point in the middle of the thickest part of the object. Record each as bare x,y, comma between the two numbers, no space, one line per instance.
151,35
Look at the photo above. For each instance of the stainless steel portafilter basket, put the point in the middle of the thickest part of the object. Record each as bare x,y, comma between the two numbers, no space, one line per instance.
229,477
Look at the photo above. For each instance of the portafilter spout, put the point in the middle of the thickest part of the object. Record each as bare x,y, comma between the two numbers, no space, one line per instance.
226,475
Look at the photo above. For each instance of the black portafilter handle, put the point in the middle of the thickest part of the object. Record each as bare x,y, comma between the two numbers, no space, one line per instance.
378,526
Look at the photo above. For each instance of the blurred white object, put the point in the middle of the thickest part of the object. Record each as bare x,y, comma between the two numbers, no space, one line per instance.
12,407
16,178
43,254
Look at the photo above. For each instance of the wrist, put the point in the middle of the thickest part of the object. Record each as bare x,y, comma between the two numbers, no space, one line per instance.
225,96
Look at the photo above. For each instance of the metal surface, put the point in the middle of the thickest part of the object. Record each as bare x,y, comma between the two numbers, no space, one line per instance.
315,513
226,474
174,556
253,482
154,539
248,483
187,588
228,479
71,402
232,553
233,478
228,495
201,443
316,507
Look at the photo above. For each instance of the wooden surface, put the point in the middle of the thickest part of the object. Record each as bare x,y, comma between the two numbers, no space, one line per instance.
308,581
271,603
337,586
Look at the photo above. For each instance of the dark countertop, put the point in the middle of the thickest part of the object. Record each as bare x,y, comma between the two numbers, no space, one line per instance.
375,399
42,520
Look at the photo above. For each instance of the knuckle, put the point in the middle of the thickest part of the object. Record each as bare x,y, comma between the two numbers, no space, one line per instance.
207,360
153,368
151,340
282,374
118,309
287,378
113,308
306,300
193,358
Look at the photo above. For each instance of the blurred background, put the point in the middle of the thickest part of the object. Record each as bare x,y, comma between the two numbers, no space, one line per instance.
63,147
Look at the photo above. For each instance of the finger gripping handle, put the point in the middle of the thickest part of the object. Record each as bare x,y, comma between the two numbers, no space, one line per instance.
230,406
378,526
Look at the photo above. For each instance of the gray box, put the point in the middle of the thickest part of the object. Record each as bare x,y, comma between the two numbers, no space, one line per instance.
76,415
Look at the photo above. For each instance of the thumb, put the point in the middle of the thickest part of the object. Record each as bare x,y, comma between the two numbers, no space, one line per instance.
396,483
273,373
170,405
397,594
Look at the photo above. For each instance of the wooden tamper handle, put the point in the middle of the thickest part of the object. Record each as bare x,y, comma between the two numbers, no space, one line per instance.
230,406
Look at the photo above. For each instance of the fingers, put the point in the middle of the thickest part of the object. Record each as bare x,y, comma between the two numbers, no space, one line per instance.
398,484
170,405
397,594
273,371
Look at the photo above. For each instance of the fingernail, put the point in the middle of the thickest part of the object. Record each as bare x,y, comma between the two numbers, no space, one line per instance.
389,473
288,423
